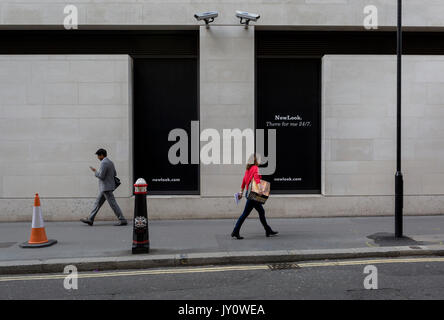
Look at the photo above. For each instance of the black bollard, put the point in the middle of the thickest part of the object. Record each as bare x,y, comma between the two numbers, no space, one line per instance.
141,242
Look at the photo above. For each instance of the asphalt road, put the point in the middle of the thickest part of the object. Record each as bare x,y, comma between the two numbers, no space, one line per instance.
406,278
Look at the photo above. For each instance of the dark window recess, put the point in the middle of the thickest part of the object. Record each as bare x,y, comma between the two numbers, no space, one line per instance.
318,43
288,100
186,42
165,97
100,42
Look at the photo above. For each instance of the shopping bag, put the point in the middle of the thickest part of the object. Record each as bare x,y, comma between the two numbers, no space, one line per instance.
258,192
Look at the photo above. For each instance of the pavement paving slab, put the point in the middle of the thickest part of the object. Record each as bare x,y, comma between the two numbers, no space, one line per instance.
180,242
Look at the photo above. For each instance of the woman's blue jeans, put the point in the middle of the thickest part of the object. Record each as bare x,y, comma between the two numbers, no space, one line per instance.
248,208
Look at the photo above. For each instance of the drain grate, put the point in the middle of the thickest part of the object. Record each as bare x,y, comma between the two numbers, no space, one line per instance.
283,266
7,244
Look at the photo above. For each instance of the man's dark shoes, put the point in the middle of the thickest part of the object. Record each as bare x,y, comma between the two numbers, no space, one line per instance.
271,233
87,221
121,223
236,235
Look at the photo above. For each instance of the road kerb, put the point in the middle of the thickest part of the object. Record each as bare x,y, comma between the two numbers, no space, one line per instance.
211,258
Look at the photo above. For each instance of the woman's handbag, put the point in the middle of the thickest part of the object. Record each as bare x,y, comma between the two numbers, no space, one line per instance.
258,192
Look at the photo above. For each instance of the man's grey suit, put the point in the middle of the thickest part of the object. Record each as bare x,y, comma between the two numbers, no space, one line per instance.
107,185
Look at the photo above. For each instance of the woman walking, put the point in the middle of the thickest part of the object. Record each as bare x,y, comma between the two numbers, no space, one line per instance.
251,172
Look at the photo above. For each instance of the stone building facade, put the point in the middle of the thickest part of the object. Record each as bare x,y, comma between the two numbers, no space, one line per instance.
65,93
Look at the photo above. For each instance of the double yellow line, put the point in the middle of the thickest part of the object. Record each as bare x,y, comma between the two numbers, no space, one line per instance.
137,273
221,269
368,261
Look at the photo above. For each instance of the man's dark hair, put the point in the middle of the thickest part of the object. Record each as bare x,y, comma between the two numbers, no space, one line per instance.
101,152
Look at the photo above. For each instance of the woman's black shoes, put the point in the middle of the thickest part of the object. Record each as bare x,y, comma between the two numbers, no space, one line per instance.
236,235
271,233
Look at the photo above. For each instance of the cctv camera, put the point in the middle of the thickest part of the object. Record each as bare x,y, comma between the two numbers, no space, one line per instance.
246,17
208,17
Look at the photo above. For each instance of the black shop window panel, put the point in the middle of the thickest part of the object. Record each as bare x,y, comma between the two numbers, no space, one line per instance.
165,97
288,99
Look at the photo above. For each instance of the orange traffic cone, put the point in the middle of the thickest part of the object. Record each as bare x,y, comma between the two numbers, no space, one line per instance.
38,234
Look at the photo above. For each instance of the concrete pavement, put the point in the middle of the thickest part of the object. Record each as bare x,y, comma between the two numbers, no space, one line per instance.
200,242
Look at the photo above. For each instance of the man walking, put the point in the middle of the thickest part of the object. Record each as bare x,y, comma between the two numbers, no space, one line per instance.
107,184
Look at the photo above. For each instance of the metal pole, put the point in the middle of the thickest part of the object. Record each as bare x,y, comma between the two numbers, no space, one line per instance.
399,183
